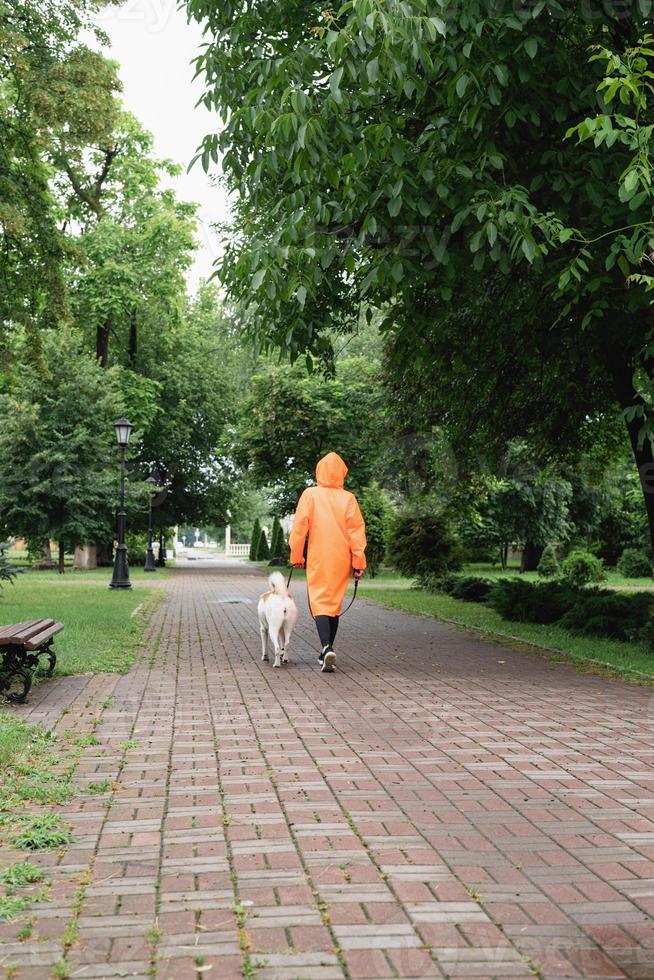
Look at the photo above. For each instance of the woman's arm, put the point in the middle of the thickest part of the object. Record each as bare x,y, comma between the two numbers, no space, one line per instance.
300,529
356,530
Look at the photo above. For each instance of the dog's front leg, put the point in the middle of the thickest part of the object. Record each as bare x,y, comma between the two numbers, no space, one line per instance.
264,642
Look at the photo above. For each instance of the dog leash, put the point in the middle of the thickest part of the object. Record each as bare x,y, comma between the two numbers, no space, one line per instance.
348,607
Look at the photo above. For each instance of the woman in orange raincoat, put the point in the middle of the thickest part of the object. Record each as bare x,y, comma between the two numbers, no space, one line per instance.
331,518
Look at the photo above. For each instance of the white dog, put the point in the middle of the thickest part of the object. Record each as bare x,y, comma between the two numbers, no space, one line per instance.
277,618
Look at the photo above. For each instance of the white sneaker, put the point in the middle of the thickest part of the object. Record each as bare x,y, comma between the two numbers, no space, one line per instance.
329,662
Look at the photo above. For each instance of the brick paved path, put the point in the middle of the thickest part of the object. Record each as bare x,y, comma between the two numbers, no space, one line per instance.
440,807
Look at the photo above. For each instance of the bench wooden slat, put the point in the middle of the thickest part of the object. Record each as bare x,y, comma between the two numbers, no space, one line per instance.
43,636
37,626
11,629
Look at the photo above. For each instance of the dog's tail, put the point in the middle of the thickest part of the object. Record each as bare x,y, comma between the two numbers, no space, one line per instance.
277,583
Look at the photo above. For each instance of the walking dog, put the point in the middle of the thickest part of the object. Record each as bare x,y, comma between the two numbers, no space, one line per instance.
277,618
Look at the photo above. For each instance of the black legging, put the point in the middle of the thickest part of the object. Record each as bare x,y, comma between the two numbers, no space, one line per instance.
327,629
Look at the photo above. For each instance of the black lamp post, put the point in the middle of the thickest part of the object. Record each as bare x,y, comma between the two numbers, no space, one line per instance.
161,560
120,578
150,565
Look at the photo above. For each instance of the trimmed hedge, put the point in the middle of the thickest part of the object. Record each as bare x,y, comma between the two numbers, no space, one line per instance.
470,588
527,602
605,613
584,611
635,563
581,568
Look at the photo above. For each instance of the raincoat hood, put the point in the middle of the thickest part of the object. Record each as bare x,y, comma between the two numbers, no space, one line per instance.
331,471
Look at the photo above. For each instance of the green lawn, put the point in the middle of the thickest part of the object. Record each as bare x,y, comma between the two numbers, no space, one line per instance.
102,627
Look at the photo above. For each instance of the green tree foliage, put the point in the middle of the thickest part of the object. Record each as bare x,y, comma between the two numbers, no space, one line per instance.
58,460
53,89
279,551
421,544
378,515
194,402
526,506
263,548
137,243
477,171
292,419
548,566
255,540
7,570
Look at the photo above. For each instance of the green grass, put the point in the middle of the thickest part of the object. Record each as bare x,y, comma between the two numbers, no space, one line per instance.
21,744
100,634
20,874
619,656
11,906
42,832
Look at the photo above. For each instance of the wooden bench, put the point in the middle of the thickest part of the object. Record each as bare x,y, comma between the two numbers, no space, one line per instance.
21,646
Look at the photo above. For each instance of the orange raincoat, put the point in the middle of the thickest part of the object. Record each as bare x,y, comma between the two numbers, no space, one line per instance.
331,517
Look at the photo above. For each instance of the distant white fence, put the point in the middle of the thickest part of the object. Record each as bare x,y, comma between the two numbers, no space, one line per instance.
238,550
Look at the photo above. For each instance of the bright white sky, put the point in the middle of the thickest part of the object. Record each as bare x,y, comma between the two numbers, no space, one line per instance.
154,46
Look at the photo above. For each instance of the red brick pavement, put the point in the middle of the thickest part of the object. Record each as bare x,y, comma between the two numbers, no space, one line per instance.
438,807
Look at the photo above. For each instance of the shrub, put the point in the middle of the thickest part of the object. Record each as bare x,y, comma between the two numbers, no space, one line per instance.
635,563
421,544
378,514
439,583
532,602
581,567
603,613
263,551
137,547
548,566
255,540
470,588
646,634
7,571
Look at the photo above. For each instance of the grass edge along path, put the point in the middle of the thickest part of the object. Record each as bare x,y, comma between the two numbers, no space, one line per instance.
631,661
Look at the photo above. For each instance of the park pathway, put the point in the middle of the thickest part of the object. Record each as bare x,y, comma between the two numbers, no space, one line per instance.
439,807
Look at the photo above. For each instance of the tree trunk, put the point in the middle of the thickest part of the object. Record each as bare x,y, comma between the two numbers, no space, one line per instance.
645,463
530,557
105,553
62,552
102,343
628,397
46,560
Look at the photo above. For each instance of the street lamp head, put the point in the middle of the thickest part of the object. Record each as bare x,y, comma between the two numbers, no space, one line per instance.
123,430
152,480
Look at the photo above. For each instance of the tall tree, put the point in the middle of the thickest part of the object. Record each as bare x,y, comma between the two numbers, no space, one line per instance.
57,448
416,156
136,243
50,84
291,419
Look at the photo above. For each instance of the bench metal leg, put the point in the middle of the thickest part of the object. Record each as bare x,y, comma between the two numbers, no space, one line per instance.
16,686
